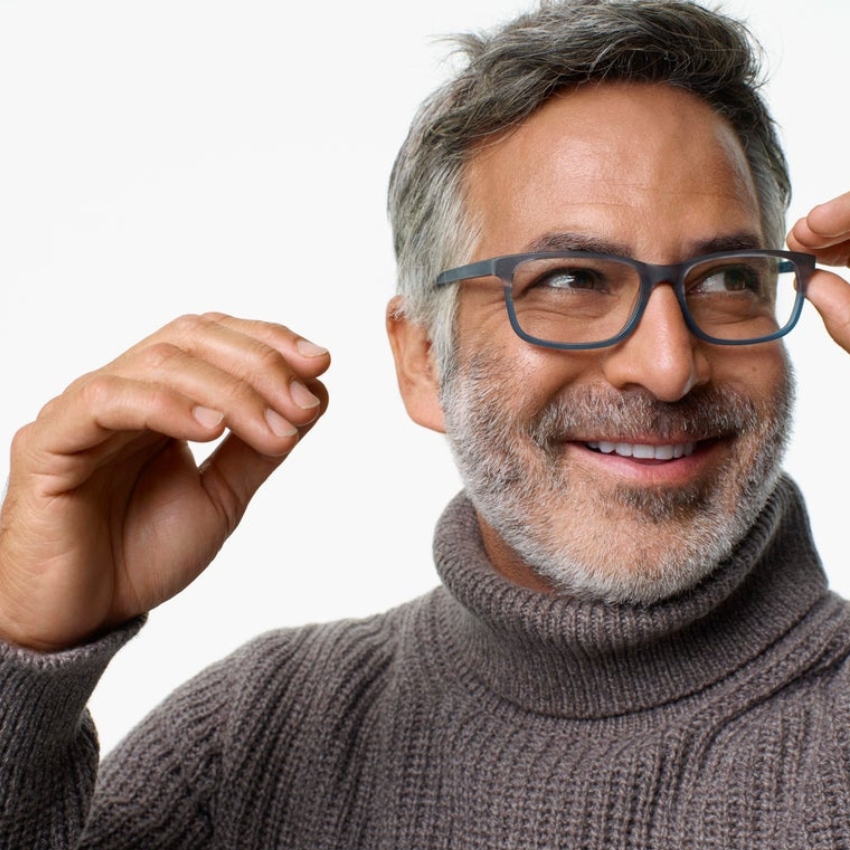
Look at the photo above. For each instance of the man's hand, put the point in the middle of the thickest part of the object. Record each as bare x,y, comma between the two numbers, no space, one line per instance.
107,514
825,232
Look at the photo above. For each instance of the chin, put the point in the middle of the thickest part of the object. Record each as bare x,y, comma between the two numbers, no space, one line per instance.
631,546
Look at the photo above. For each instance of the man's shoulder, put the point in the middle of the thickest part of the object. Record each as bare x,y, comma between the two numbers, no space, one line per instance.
318,664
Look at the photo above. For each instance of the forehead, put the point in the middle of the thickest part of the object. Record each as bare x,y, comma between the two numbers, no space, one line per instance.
649,167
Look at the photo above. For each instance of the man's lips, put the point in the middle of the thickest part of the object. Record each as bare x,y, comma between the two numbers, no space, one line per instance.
643,451
657,462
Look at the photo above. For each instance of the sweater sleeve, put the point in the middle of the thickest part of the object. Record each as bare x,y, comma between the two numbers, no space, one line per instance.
155,790
48,744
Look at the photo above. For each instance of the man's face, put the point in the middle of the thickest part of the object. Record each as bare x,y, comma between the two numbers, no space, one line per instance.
649,172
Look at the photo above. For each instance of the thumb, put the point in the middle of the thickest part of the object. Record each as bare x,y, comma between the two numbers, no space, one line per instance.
234,472
830,295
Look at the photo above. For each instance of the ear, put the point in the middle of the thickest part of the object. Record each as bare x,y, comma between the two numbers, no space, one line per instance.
415,368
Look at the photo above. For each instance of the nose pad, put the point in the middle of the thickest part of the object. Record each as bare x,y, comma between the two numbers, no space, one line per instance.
660,355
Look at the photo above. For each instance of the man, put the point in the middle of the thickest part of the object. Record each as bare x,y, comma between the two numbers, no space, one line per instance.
634,644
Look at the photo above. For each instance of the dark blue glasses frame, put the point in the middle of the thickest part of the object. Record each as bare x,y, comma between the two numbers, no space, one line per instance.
651,275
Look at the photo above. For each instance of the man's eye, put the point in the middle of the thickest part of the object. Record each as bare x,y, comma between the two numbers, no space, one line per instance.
585,279
728,279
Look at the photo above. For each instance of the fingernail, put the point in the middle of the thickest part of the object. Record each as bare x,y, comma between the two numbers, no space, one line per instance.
279,426
208,417
309,349
302,396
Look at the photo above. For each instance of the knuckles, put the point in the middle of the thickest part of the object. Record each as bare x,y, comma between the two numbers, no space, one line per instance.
98,391
189,325
266,358
22,440
157,356
258,344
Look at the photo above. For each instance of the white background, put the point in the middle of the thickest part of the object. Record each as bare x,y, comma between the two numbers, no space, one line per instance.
173,156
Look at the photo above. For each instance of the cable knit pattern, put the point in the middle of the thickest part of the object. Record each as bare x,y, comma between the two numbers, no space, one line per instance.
482,715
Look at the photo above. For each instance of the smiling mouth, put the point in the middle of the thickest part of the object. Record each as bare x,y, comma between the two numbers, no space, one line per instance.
643,451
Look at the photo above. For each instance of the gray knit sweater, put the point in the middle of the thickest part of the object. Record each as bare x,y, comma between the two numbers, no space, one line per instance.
482,715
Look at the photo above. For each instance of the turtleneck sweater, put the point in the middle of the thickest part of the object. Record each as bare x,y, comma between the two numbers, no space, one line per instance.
482,715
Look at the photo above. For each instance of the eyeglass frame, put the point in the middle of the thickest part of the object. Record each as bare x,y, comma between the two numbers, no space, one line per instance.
651,275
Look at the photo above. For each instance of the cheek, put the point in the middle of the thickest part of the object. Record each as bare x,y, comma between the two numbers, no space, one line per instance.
760,372
528,375
544,373
525,378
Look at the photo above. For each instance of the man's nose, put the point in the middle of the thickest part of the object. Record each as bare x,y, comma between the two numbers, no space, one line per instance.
661,355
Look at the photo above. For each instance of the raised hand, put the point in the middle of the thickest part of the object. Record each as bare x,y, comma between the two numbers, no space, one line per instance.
825,232
107,514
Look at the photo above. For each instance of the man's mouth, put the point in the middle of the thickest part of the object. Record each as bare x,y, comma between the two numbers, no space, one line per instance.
643,451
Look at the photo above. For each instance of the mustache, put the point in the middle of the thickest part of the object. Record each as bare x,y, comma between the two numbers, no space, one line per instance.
593,412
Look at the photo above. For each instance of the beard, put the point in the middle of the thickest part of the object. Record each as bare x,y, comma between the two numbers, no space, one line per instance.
606,539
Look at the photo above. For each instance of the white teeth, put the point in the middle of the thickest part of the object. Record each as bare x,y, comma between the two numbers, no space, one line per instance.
664,452
643,451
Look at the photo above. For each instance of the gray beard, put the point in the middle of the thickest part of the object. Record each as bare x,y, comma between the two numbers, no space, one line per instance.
515,475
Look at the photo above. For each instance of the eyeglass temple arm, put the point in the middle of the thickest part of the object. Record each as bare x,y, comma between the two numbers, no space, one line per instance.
482,268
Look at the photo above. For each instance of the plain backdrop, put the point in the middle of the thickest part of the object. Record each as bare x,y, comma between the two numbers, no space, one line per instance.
173,156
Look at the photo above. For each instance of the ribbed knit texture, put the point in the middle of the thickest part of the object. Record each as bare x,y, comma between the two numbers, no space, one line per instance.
482,715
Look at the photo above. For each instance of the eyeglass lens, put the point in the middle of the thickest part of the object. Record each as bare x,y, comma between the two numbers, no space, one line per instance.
580,300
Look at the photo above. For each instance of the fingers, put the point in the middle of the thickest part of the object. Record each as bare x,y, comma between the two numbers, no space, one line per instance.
313,359
270,358
825,232
197,376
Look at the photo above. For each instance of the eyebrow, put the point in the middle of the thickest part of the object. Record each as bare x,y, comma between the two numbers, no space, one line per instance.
742,241
577,242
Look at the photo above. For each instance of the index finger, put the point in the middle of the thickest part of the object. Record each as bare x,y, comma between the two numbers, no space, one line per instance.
825,231
313,359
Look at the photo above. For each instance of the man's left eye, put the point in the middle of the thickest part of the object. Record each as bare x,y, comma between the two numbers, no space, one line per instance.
729,279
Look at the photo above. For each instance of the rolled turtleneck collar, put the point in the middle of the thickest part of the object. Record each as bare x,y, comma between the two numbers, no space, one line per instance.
557,655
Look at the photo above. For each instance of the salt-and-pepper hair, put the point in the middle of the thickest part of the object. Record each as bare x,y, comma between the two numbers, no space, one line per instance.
508,73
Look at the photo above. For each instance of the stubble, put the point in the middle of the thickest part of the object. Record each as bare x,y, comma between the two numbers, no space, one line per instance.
611,540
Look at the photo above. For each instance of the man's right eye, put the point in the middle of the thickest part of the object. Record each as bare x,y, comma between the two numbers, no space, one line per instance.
571,278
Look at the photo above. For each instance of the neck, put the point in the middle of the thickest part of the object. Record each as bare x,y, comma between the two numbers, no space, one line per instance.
506,562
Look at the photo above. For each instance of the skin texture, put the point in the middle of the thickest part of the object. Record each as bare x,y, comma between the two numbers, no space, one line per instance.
652,173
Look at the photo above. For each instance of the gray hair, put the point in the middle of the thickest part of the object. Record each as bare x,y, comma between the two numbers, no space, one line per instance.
511,71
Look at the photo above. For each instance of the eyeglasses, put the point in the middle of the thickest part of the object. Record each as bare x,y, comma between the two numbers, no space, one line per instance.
583,300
